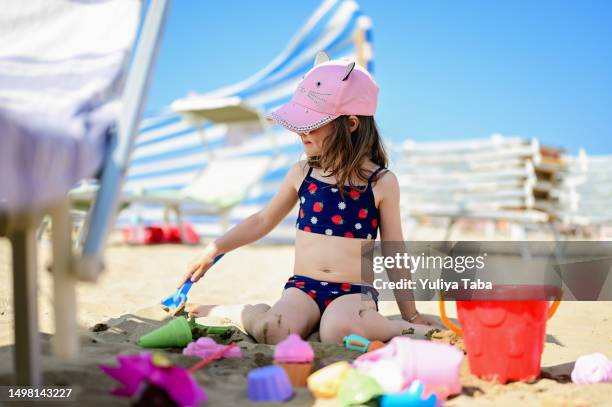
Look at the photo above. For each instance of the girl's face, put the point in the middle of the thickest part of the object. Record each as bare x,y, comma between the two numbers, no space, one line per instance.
313,140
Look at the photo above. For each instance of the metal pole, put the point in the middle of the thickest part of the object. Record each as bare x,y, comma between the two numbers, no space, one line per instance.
134,97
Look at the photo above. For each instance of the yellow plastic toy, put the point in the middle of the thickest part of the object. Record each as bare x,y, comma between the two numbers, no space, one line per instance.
324,383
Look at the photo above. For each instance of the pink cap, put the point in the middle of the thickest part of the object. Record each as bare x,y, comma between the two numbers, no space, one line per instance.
293,350
329,90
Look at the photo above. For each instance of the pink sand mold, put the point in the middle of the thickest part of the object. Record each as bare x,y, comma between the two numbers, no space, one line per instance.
592,368
269,383
293,349
204,347
436,365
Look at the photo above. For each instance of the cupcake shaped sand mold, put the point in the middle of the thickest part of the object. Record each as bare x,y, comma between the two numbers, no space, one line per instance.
269,383
296,356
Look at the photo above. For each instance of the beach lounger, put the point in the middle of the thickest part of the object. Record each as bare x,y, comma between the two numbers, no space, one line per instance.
221,185
586,193
67,112
225,180
485,179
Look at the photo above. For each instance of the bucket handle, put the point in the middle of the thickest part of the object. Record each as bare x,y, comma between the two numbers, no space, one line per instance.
450,325
447,322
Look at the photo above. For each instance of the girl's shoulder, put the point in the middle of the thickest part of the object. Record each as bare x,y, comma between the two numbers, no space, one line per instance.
300,168
385,183
297,172
379,174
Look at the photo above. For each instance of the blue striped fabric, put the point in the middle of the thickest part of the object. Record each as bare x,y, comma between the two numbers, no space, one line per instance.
170,153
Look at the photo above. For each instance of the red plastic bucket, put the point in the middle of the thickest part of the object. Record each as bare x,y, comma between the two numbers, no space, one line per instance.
503,339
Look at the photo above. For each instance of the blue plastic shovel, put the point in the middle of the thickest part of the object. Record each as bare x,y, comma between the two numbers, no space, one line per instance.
179,298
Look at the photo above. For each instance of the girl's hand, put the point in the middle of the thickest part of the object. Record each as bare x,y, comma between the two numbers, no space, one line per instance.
199,266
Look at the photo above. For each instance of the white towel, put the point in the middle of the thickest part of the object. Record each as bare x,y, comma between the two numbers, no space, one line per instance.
62,68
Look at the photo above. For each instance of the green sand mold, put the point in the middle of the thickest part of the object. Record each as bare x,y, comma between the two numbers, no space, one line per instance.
175,334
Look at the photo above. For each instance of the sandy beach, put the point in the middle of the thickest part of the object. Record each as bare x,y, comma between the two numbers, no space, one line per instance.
123,305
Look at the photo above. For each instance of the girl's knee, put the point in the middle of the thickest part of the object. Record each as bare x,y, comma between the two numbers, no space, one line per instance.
273,328
334,330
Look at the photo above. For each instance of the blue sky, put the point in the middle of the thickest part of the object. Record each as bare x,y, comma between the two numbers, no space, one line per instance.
447,69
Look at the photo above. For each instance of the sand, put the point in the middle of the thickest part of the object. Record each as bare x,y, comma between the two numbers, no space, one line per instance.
123,304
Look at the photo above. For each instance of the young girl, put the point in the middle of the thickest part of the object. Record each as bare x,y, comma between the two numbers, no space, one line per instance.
346,195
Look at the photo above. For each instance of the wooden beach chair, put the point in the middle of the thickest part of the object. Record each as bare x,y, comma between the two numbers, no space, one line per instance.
66,115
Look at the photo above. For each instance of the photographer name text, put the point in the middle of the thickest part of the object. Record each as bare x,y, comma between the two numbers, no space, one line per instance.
428,284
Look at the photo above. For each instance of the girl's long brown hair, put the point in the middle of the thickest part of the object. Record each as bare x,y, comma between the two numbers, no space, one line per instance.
344,152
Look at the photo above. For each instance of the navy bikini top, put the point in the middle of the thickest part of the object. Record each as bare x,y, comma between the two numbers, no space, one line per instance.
322,209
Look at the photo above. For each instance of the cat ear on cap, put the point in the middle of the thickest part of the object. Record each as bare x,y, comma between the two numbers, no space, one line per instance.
349,69
320,58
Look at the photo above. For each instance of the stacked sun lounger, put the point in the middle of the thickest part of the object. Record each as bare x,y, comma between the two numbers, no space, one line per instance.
482,179
552,171
587,194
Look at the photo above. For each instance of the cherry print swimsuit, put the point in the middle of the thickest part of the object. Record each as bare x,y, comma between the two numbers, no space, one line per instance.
324,211
324,292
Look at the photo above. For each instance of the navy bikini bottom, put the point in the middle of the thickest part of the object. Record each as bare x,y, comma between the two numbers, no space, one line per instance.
324,292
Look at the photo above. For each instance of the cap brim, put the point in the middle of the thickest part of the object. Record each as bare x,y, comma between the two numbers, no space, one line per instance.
297,118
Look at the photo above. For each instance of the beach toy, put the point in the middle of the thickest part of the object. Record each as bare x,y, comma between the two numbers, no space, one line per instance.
358,388
592,368
218,330
176,333
375,345
435,364
157,374
204,347
296,356
504,330
388,374
219,353
269,383
413,397
325,382
356,342
198,330
179,298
